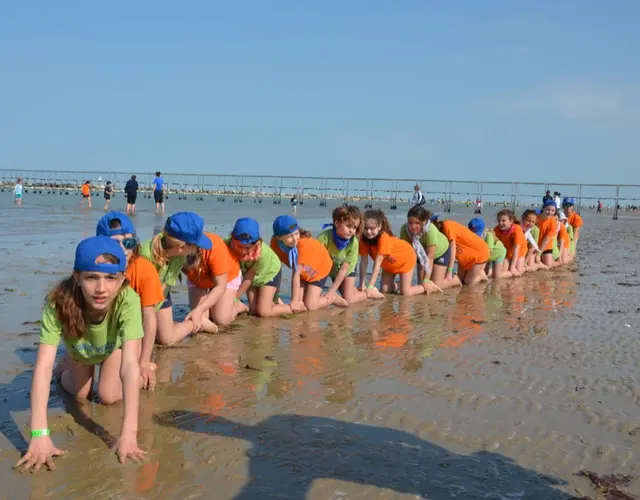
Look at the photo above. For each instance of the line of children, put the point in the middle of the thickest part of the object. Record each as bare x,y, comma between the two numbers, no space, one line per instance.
117,303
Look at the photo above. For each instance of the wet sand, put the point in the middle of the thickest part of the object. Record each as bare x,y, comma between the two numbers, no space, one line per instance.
500,391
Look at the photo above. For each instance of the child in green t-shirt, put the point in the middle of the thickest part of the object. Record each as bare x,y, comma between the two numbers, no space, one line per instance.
261,269
98,317
497,267
341,240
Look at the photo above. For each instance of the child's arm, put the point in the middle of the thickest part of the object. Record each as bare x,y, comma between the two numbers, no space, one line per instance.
342,274
41,449
207,302
561,258
576,235
127,443
377,264
247,280
514,260
150,327
296,304
449,273
431,255
364,264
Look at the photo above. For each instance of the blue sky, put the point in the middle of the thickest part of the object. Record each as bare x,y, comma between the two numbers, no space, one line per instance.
477,90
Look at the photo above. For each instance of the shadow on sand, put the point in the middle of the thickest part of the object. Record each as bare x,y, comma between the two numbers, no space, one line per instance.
290,451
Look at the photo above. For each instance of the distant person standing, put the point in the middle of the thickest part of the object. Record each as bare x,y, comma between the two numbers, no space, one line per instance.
599,207
294,204
158,192
131,190
17,192
86,193
418,198
547,197
108,193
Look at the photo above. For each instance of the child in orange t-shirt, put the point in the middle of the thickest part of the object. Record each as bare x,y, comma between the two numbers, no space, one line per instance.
213,279
531,231
548,232
86,193
471,252
144,279
393,255
574,219
510,233
310,265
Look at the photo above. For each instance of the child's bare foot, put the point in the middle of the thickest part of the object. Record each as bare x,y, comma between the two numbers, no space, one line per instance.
209,326
336,300
374,293
240,307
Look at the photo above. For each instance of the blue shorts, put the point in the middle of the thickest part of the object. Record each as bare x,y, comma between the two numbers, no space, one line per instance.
275,282
167,302
319,283
444,260
18,196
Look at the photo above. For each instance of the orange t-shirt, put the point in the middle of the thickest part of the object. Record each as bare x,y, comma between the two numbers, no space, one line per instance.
314,261
548,228
215,262
470,248
510,240
144,279
575,221
399,256
564,235
85,190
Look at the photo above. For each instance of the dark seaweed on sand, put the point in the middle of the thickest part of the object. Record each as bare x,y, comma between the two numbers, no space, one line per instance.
607,485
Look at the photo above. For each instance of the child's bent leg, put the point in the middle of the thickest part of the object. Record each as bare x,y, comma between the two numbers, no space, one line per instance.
313,299
263,304
350,293
109,383
407,288
520,265
76,379
227,308
547,260
387,283
168,331
474,275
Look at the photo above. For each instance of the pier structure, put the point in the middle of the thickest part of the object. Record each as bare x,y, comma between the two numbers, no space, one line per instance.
274,189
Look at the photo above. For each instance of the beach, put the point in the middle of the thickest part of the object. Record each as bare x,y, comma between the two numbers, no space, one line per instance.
502,390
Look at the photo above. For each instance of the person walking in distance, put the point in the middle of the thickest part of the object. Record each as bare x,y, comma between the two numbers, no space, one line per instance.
158,193
131,190
86,193
17,192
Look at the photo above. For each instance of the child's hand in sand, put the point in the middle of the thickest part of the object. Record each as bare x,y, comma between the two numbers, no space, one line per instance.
127,447
374,293
430,287
41,452
298,307
148,375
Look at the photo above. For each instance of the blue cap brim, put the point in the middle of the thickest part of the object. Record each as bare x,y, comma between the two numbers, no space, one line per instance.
204,242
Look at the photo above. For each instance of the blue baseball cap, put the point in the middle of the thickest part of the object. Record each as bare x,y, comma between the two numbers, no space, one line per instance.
549,203
568,201
434,217
284,224
104,229
246,231
538,211
90,249
477,225
188,227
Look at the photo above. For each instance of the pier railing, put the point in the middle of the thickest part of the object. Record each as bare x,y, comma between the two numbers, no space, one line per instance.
322,189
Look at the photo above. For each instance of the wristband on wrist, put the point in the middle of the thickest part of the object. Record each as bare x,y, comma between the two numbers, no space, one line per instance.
369,286
450,269
39,432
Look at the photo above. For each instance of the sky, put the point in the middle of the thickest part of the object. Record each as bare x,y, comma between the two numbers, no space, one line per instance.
537,91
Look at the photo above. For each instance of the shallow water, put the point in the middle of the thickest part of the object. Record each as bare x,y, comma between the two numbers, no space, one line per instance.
499,391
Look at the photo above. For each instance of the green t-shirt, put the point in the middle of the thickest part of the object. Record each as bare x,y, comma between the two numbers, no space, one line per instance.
497,249
535,233
432,237
123,322
169,273
339,257
268,265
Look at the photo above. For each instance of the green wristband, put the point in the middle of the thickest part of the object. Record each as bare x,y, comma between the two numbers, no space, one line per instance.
450,269
370,286
36,433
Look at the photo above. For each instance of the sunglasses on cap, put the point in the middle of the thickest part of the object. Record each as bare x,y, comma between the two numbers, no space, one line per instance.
129,243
